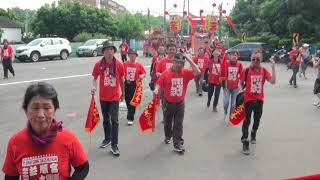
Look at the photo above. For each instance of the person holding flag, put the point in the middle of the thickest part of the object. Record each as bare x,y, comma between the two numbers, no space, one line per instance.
174,82
202,61
133,72
231,85
253,79
111,72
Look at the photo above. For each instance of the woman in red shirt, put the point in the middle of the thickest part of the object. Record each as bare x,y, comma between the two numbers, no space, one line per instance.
44,150
7,58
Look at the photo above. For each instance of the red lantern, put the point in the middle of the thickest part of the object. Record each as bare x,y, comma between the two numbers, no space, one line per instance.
214,4
201,11
185,13
224,11
175,5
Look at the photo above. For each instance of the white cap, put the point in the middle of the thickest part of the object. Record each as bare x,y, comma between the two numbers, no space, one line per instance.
305,45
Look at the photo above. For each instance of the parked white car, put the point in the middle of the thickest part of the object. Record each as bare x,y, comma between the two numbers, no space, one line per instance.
44,48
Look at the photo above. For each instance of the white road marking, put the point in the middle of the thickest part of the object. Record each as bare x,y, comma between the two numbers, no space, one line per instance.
49,79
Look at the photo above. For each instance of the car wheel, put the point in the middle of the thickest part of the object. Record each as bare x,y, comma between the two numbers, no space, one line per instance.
94,53
35,57
64,55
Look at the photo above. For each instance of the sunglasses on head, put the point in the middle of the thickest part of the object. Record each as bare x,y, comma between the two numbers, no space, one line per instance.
255,59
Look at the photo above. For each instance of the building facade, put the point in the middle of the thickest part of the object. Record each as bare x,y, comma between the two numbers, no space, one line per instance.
11,31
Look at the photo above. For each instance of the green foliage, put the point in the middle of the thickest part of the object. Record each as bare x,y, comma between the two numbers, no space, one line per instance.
285,42
234,41
129,26
1,32
82,37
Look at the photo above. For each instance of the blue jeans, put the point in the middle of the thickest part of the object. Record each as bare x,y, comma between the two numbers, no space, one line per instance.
230,94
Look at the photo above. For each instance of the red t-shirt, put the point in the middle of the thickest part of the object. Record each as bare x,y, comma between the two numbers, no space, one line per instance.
255,84
202,63
6,53
52,161
132,71
294,52
124,48
214,73
109,85
164,64
233,73
175,85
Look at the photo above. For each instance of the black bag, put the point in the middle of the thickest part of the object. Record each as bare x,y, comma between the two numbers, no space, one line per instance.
205,87
152,86
316,89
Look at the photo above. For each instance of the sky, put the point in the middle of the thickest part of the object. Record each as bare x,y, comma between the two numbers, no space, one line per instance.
156,6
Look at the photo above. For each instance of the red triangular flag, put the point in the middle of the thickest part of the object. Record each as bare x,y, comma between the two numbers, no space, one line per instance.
137,96
230,22
93,117
146,122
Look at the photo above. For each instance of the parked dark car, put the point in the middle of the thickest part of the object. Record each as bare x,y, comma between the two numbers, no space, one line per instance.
92,47
246,49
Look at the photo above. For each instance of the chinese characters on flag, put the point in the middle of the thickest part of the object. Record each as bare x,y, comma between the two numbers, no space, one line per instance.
146,121
137,96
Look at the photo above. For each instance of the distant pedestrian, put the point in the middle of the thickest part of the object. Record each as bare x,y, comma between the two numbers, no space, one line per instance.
294,56
124,47
253,78
7,58
133,72
305,60
316,89
156,58
202,61
111,72
174,82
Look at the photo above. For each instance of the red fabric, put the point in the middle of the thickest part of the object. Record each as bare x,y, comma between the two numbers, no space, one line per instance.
202,20
124,48
154,58
291,54
310,177
191,21
137,96
230,22
132,71
164,64
223,68
255,84
214,73
202,63
109,85
175,85
53,160
238,115
233,73
147,118
6,53
93,117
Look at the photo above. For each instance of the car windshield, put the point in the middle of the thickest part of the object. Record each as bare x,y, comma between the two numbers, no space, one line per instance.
90,43
35,42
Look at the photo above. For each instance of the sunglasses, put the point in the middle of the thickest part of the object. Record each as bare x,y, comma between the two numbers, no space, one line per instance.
255,59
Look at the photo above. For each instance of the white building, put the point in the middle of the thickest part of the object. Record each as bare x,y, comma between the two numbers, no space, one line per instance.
11,31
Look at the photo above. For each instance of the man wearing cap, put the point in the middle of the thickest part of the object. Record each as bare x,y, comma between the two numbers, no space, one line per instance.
295,56
124,50
173,82
7,58
133,71
202,61
111,72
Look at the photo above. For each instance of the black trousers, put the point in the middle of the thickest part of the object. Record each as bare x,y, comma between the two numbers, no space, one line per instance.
110,111
295,70
130,87
7,65
173,122
214,88
256,107
123,58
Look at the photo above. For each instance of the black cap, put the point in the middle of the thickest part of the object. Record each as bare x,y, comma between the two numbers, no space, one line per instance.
179,57
108,44
133,51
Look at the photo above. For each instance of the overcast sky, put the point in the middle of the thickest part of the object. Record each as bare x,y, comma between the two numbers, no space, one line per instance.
156,6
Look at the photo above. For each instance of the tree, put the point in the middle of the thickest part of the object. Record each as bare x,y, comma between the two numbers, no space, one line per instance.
129,26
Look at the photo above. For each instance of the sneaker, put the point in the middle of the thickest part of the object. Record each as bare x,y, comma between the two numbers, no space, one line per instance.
290,82
245,147
115,150
105,143
200,94
208,104
295,86
179,149
167,140
316,103
253,138
214,109
130,122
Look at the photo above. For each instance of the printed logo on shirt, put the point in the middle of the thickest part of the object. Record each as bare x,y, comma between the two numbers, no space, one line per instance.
131,73
6,53
256,84
108,79
43,167
169,65
176,87
200,63
215,69
232,73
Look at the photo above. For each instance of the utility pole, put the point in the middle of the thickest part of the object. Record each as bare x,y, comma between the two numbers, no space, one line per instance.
164,16
220,18
149,27
188,30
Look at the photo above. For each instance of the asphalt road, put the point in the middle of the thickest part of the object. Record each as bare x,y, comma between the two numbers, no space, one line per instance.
287,141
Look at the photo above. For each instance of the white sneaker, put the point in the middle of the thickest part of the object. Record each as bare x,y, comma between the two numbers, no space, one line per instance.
130,122
316,103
